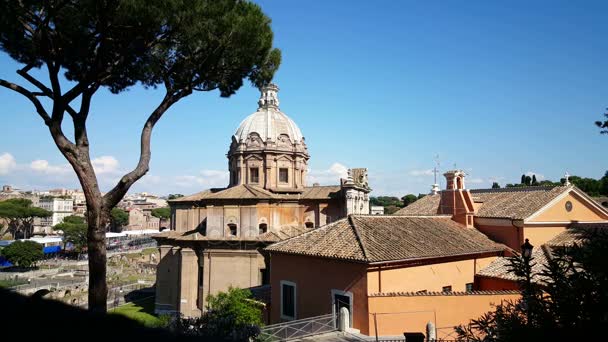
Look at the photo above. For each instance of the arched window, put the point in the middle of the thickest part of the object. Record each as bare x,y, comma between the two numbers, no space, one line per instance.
232,228
458,183
263,228
309,224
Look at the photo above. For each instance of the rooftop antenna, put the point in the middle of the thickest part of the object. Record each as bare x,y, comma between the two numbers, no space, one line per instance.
435,187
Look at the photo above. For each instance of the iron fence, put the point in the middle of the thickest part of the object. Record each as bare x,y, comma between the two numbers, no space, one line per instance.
299,328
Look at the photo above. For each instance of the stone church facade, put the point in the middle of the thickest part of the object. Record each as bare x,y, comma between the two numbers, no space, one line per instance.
217,236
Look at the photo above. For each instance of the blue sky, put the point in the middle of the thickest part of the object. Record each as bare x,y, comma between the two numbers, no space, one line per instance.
499,89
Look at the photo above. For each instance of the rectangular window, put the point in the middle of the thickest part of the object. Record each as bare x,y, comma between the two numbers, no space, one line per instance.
446,289
288,300
283,175
254,175
469,287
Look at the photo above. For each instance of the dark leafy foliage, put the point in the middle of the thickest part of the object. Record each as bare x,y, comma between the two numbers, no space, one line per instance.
162,213
74,231
230,316
23,253
20,215
568,302
119,219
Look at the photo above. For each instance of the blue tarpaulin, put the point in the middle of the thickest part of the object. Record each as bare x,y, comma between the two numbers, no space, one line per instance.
4,262
51,249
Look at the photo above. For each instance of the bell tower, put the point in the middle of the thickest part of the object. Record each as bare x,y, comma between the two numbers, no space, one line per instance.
456,200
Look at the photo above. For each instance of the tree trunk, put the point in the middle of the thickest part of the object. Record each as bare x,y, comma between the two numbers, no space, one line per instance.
98,219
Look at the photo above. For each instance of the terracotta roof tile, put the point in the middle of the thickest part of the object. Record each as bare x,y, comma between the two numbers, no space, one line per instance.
427,205
373,239
246,191
512,203
499,268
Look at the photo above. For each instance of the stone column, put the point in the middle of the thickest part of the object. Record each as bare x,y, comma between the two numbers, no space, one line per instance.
164,277
188,283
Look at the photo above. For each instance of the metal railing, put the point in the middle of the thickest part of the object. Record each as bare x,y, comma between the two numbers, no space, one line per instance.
299,328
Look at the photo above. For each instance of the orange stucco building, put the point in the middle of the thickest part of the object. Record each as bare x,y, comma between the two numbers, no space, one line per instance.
360,261
440,260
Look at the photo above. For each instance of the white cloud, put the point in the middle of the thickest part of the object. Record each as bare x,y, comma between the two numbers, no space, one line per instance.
205,180
475,180
7,163
43,166
105,164
328,176
418,173
539,176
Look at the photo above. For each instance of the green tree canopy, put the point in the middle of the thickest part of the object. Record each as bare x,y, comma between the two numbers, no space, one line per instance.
74,231
20,215
81,46
409,199
23,253
162,213
230,316
495,185
120,218
174,196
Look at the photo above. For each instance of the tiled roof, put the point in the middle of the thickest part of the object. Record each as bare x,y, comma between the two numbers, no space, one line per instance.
500,268
243,191
513,203
321,192
576,234
285,232
246,191
374,239
427,205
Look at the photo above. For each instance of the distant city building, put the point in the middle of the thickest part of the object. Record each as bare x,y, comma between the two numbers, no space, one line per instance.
377,210
140,219
60,207
143,199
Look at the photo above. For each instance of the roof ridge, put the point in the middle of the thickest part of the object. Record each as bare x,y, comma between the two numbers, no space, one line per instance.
528,188
352,224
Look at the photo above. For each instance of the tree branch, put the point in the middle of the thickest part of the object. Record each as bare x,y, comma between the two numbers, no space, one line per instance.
116,194
80,128
44,89
30,96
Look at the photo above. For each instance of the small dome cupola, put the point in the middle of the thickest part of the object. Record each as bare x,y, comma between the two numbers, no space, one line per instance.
269,98
268,123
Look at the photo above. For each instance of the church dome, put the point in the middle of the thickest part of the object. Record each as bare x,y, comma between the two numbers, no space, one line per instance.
268,122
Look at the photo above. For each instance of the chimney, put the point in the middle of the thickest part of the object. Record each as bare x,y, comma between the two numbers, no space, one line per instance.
456,200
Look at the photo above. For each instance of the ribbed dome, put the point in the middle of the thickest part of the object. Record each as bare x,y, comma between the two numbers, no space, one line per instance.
268,122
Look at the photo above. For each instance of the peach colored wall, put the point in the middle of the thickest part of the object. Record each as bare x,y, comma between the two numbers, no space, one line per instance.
538,235
508,235
487,283
315,278
581,211
398,314
426,277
